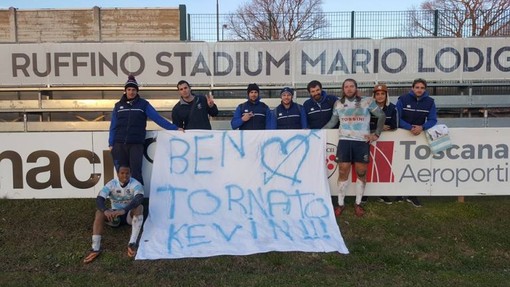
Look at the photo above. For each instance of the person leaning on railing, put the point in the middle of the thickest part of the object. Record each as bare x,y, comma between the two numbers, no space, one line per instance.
192,111
252,114
382,99
417,113
318,110
288,115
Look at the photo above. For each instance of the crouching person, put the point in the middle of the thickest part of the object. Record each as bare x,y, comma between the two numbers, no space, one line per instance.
126,195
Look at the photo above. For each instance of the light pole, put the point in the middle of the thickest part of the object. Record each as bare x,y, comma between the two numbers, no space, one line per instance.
217,21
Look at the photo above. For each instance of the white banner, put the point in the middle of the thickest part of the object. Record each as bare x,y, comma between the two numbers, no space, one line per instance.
238,193
266,63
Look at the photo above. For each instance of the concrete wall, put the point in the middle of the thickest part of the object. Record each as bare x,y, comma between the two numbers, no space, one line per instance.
140,24
7,33
89,25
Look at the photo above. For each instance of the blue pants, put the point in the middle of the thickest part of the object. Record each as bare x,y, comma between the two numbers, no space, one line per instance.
129,155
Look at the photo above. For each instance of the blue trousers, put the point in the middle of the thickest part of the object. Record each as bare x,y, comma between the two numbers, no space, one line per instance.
129,155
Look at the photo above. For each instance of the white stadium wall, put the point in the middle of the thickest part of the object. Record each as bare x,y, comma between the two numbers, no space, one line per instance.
77,164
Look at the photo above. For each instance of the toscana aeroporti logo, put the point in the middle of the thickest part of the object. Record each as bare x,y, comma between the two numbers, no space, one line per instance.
379,167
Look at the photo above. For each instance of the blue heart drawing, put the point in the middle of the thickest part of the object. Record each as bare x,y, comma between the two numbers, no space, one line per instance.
295,147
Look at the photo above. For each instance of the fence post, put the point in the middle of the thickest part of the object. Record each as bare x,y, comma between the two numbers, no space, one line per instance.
182,22
352,24
269,16
436,22
189,27
217,21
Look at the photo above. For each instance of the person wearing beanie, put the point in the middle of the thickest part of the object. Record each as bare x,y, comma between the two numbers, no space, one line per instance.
128,127
192,111
131,82
288,115
252,114
417,113
382,99
353,112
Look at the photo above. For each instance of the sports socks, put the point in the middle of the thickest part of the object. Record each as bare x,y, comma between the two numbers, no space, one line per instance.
136,226
360,189
96,242
342,190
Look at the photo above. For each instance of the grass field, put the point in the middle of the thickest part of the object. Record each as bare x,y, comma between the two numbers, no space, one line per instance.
444,243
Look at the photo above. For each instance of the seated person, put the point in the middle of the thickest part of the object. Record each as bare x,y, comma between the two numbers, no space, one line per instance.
126,195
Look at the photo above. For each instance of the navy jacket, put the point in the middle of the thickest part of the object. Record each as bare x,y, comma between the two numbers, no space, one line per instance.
261,119
391,118
194,115
319,113
129,121
416,111
292,118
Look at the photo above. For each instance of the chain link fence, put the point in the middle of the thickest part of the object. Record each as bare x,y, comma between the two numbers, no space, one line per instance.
372,25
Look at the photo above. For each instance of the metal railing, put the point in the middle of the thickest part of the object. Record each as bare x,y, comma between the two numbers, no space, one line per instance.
69,110
366,24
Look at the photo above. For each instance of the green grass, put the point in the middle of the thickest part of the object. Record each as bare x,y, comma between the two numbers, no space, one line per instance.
444,243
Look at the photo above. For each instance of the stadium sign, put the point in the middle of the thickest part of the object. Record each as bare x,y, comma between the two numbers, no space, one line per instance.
266,63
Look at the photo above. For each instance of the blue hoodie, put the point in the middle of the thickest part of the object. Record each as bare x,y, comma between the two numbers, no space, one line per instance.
416,111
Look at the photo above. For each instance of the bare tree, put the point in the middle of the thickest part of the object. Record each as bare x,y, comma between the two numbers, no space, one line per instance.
461,18
277,20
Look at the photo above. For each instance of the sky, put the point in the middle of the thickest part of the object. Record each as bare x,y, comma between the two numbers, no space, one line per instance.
209,6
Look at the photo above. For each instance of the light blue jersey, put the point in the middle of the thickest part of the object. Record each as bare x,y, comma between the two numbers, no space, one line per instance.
354,117
121,196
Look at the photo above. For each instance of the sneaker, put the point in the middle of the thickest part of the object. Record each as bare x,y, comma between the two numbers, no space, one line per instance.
358,210
385,199
339,210
91,255
131,249
364,199
399,199
414,201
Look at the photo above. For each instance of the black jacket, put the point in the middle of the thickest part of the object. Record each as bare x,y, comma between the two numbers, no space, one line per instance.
194,115
391,118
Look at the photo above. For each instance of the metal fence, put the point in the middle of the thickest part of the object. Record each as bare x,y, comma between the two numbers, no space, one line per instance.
373,25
